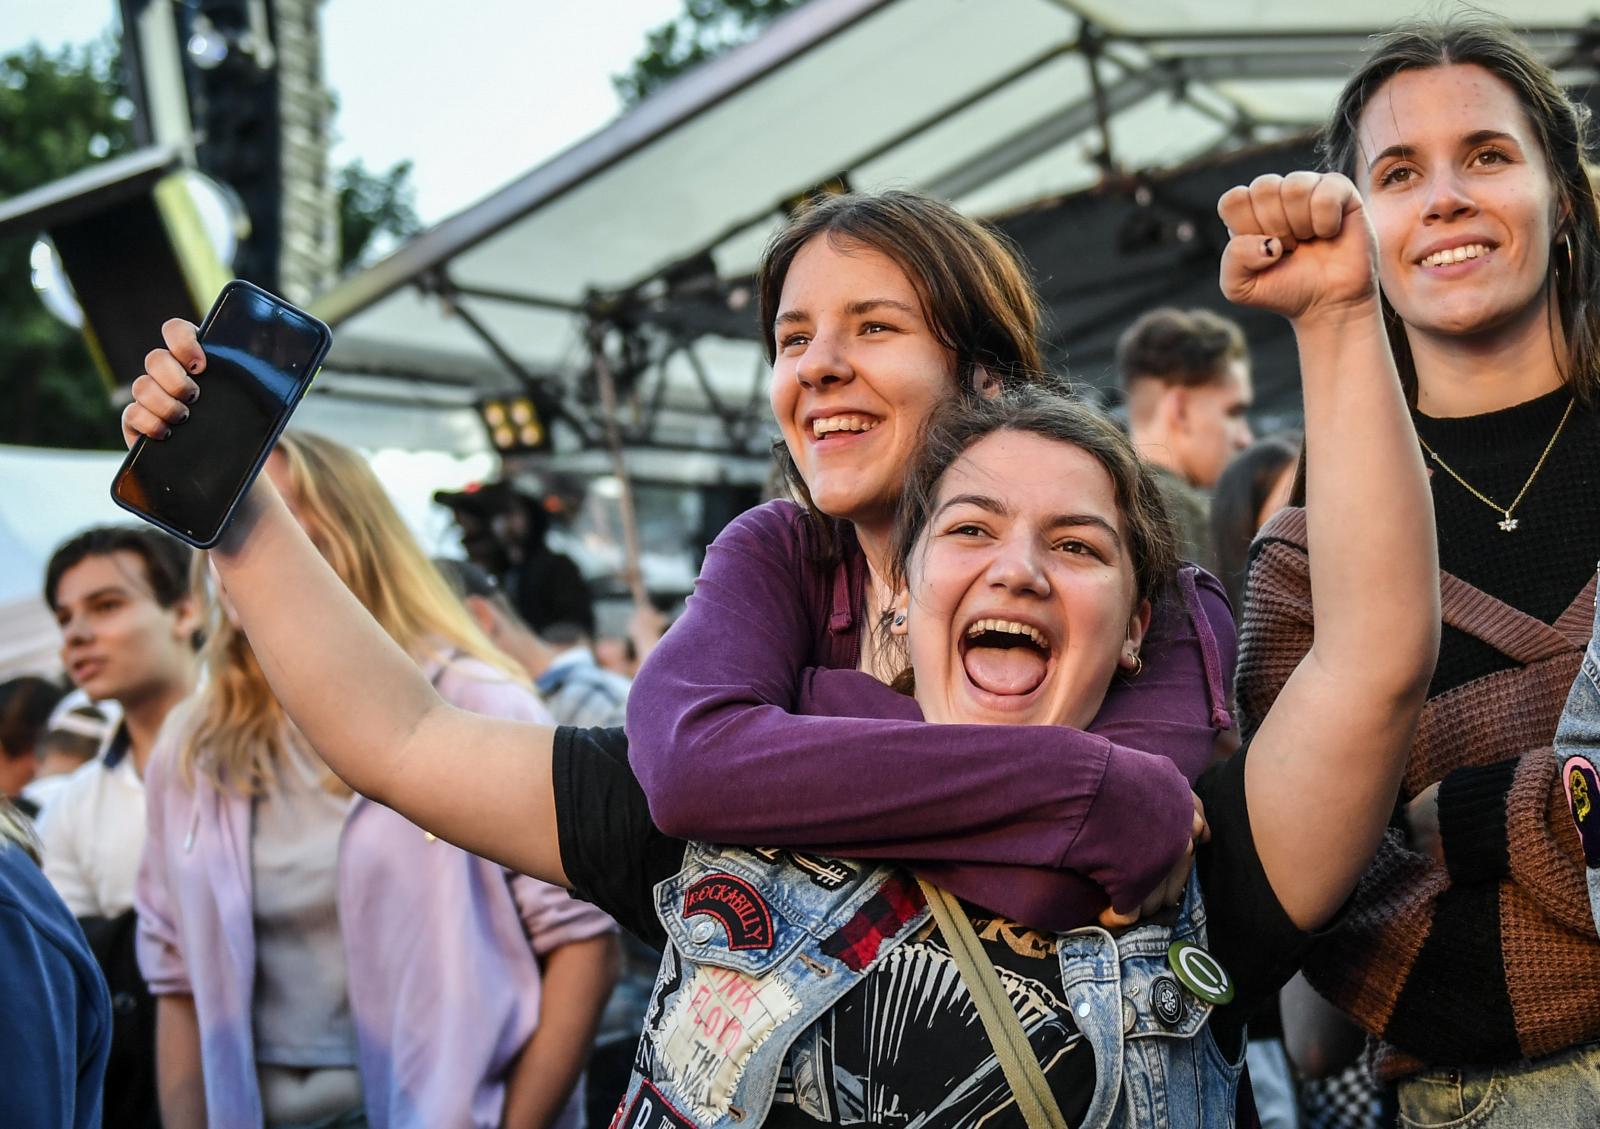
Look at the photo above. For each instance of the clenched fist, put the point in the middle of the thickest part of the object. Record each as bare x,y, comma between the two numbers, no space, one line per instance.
1299,245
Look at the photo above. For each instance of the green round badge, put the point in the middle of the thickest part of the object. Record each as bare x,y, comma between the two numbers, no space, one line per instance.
1200,972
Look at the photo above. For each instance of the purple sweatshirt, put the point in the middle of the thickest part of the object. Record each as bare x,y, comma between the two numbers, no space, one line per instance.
444,980
1040,823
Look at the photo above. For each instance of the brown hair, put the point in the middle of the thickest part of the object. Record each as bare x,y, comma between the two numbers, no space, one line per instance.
1562,127
25,707
166,559
1187,347
976,294
1236,501
956,426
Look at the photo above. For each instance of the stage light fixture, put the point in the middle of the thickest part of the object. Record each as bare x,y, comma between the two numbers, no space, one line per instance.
516,424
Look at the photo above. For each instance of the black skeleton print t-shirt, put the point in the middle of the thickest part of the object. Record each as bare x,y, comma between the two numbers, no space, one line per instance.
905,1046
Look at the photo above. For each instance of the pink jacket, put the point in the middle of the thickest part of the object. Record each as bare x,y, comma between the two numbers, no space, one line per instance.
443,979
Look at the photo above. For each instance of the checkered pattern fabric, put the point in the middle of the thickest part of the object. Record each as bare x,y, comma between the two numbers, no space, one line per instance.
857,942
1347,1100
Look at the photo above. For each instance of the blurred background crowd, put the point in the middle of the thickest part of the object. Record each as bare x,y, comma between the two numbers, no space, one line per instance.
547,361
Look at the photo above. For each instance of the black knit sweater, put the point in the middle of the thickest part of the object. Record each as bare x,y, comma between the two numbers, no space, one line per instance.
1539,568
1541,565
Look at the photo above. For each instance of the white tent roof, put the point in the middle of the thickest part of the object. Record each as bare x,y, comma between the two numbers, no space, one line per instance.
992,105
48,496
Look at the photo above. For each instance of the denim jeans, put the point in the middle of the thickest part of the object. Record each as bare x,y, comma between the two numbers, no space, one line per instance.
1561,1089
1272,1082
1577,750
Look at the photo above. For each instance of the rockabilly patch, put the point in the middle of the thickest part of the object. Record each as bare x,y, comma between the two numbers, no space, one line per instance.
857,941
736,904
650,1111
1583,795
718,1019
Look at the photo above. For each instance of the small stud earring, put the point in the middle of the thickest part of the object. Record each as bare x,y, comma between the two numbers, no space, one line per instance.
899,619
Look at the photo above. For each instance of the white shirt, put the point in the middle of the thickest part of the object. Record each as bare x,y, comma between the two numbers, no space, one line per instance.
94,833
42,791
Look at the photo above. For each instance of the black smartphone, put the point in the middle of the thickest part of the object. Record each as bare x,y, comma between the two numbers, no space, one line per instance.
261,356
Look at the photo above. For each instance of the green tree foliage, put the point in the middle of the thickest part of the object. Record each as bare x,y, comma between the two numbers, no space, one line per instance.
705,29
61,111
374,210
58,112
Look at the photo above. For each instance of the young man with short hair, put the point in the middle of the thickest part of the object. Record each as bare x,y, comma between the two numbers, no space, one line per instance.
129,626
1186,377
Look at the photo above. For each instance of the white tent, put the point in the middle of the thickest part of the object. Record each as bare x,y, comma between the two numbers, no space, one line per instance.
993,105
46,497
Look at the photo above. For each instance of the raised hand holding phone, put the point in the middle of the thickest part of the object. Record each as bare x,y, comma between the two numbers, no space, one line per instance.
356,696
262,354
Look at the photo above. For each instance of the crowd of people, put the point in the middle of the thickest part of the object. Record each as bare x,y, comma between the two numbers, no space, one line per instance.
338,836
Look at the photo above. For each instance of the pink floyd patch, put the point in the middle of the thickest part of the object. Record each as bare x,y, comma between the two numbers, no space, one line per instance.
1583,795
735,903
650,1111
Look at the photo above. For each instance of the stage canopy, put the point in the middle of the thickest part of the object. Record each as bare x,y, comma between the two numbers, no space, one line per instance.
1098,133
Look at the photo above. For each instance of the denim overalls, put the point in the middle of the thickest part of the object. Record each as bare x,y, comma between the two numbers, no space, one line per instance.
762,943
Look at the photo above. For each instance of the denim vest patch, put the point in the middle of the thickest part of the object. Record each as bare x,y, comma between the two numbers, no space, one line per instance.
762,943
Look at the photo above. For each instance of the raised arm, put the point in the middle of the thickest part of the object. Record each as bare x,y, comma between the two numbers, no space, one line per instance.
712,721
479,782
1326,761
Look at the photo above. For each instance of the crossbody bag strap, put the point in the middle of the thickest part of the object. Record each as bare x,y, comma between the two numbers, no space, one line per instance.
1011,1046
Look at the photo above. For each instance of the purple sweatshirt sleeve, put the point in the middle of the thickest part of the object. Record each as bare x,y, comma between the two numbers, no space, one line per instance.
716,743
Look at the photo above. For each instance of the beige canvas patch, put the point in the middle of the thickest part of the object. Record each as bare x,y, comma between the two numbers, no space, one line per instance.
715,1024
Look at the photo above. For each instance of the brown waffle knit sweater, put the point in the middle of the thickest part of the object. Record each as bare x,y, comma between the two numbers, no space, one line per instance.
1493,957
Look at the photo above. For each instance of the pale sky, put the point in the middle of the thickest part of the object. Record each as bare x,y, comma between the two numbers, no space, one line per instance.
475,97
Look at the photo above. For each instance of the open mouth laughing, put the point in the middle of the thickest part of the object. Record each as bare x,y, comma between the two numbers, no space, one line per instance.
1006,658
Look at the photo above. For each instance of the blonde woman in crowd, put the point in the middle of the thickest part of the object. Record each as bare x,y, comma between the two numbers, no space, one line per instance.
318,959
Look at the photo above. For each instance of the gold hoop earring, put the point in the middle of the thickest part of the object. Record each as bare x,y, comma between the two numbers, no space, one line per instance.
1566,242
1138,666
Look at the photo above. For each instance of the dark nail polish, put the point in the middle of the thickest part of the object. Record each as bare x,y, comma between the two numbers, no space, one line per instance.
192,395
194,366
184,416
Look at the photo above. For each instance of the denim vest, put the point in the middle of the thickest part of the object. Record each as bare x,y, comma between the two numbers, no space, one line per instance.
761,943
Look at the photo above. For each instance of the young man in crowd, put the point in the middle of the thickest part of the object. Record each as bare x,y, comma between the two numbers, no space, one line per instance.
1186,377
128,633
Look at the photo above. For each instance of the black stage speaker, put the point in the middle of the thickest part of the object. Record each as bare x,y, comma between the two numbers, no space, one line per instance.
131,242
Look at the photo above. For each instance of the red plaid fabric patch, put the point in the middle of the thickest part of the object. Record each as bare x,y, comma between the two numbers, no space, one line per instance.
858,940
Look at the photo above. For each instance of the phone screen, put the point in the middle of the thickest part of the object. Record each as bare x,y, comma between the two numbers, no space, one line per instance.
260,354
